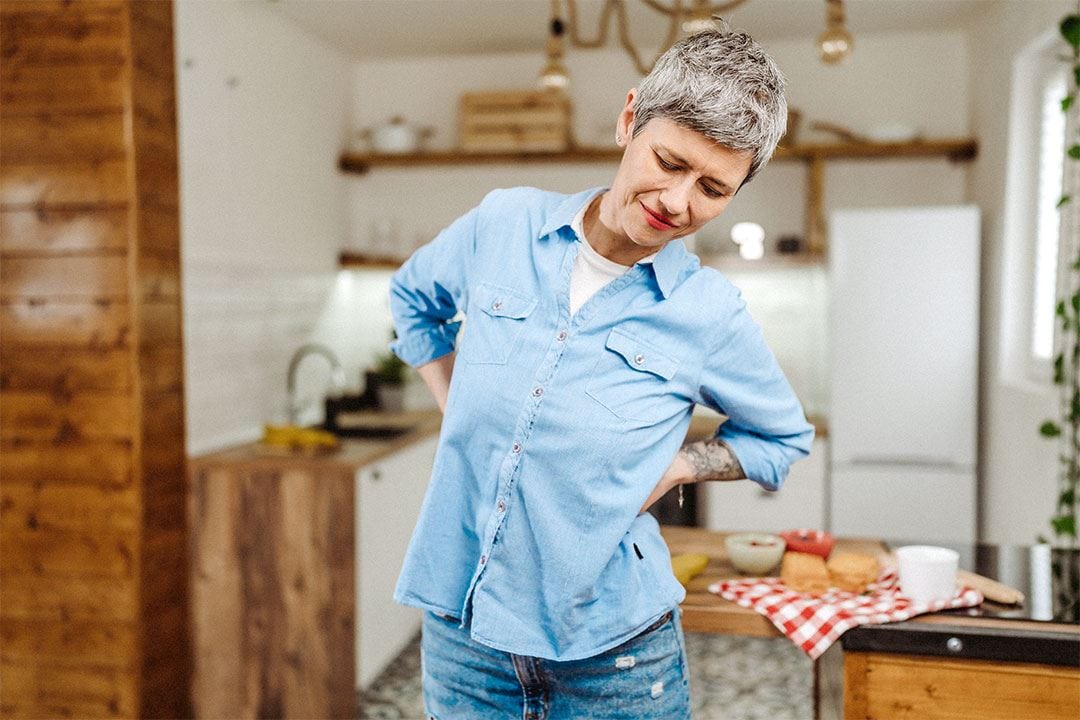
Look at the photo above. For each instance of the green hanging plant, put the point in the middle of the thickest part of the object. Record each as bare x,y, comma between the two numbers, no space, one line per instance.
1066,366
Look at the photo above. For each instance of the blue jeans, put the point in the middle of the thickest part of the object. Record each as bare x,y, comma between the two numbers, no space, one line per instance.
645,677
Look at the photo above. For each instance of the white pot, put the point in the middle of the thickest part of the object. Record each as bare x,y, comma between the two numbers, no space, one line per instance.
395,137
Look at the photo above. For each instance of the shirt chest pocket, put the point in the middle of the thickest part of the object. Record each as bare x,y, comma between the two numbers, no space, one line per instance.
633,379
495,323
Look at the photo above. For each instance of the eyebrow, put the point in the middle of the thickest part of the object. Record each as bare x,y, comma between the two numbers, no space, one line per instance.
682,161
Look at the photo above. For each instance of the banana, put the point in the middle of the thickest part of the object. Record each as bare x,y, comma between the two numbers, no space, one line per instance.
687,565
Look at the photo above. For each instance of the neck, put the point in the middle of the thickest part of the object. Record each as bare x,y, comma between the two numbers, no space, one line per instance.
604,241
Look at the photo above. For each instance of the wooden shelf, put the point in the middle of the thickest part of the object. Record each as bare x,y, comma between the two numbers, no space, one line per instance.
813,155
953,149
349,259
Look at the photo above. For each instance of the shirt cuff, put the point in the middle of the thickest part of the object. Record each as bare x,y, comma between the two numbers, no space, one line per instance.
767,469
424,346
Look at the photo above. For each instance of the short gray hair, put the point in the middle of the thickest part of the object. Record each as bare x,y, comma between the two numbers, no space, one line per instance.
723,85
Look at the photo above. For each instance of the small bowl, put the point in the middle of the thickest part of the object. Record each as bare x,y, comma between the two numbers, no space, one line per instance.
805,540
754,553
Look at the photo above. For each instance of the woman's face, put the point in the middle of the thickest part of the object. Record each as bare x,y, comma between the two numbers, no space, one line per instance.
671,181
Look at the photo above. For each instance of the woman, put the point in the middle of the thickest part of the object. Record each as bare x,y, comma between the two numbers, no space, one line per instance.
591,333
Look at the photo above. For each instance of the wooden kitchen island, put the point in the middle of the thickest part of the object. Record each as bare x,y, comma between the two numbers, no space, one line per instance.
939,665
283,544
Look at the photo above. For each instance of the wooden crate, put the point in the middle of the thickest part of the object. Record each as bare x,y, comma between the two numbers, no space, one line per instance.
514,121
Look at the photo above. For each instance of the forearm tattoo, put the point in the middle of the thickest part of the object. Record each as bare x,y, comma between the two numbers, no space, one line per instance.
712,460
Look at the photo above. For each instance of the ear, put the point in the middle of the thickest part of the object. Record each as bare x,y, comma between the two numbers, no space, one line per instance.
624,127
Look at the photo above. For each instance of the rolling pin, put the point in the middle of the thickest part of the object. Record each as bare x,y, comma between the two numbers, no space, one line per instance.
991,589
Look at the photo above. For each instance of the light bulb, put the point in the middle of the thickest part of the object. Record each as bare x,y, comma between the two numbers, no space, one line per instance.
754,250
835,44
554,75
743,233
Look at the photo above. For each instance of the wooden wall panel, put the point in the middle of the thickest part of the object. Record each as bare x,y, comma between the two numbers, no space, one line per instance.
39,417
45,88
97,326
65,278
56,231
45,138
93,604
47,691
63,372
67,184
106,464
70,507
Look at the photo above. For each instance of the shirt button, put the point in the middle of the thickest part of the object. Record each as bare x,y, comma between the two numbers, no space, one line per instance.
538,391
496,305
483,559
639,359
561,336
501,506
516,447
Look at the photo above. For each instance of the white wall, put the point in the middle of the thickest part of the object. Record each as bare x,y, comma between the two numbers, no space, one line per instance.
871,90
262,113
1019,469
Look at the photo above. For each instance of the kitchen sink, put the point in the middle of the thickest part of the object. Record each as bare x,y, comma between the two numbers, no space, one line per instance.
371,430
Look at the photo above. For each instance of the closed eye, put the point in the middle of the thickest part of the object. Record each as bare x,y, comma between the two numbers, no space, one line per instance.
666,165
712,192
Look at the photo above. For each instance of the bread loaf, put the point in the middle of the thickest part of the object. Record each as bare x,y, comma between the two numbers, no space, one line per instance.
803,572
852,571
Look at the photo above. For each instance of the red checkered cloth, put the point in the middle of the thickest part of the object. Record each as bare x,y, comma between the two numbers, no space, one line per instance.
815,623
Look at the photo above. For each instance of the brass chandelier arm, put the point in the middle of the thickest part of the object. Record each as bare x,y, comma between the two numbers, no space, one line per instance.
836,35
618,8
713,7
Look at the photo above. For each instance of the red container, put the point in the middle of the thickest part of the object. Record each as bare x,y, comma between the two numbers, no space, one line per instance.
815,542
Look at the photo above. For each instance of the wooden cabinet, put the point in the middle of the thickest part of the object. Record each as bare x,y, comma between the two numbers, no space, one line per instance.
272,588
293,565
887,687
747,506
388,498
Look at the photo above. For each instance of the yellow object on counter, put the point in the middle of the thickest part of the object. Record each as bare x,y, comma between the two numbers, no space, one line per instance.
688,565
293,436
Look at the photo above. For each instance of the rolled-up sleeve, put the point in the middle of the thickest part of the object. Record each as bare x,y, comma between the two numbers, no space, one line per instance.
429,288
766,427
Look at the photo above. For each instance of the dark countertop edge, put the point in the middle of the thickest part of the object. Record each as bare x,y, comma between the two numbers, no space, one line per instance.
998,643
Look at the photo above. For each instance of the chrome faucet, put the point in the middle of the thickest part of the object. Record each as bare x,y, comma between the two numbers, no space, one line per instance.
337,374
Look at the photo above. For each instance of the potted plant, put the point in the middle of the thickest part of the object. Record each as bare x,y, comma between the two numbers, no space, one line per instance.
390,375
1065,429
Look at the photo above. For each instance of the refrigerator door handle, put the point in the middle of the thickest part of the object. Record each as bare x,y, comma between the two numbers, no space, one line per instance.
942,463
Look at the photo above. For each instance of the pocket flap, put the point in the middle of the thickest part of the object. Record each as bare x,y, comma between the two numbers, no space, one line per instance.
499,301
641,355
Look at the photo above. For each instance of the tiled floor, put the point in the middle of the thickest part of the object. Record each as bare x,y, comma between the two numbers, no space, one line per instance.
731,678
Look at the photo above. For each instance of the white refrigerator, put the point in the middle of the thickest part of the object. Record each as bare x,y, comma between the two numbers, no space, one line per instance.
904,329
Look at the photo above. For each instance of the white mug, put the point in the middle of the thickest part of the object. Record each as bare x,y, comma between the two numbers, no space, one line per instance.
927,573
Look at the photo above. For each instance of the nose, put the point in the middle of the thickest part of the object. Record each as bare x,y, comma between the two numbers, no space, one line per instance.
675,198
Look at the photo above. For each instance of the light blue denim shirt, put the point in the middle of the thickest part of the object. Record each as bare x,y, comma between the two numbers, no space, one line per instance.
557,428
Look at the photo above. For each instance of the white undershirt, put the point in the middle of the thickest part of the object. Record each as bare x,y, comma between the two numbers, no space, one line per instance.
591,270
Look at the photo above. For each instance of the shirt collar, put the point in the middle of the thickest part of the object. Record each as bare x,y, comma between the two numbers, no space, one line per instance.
669,261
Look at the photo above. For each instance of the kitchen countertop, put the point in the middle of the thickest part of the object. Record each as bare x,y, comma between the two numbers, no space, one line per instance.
1044,629
351,452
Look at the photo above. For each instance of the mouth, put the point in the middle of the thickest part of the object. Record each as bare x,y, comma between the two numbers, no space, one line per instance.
656,220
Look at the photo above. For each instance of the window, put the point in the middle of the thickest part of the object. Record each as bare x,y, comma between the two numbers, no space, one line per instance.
1048,218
